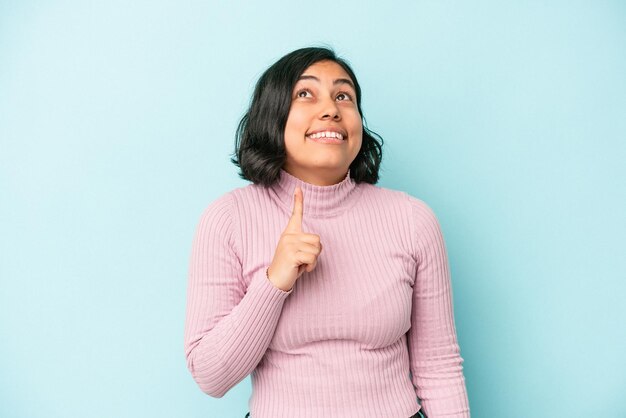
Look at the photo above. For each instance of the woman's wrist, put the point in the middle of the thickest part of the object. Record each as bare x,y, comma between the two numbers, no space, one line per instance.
267,275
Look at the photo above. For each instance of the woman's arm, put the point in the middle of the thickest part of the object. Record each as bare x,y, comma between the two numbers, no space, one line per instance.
228,327
436,363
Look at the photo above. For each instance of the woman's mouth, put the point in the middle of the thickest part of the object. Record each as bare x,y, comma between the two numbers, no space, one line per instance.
326,137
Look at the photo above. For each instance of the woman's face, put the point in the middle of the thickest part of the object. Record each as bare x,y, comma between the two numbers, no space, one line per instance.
323,103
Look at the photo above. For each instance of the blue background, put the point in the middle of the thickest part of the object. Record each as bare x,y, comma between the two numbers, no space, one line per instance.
117,122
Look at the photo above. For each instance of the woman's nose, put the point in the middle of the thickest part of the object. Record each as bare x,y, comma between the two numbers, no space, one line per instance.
330,110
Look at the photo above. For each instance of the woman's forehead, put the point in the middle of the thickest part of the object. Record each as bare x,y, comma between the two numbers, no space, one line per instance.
326,68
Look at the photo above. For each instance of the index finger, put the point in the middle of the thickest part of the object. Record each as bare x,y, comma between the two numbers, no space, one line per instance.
295,222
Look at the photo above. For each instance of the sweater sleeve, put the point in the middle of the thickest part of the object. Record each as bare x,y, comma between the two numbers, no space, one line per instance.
435,360
228,327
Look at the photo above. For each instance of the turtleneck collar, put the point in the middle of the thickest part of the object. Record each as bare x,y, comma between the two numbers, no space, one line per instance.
318,201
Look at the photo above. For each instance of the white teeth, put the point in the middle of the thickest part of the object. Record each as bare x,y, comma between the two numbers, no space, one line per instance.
326,134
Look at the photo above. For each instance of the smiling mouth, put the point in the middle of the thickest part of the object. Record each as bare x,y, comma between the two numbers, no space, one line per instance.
326,135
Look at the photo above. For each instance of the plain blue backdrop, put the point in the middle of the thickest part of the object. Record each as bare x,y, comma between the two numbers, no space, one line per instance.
117,123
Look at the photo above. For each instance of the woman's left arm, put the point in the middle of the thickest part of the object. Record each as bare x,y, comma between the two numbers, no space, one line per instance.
435,360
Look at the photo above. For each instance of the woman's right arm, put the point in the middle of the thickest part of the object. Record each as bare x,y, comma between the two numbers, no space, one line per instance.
228,327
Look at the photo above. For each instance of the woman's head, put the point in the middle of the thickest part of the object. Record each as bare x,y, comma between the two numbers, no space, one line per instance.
307,90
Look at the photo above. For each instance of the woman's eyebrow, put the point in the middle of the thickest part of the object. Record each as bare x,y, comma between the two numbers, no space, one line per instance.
337,81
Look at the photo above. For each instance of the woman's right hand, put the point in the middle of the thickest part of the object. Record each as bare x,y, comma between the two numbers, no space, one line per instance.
296,251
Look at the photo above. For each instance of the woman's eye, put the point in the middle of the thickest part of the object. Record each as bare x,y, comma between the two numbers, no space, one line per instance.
299,94
346,95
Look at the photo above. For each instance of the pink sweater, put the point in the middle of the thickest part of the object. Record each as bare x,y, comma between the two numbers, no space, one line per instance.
365,334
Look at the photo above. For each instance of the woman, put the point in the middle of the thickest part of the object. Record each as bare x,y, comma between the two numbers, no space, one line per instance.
332,292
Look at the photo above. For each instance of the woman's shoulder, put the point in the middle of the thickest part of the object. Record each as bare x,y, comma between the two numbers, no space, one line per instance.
396,196
218,210
233,196
236,201
414,206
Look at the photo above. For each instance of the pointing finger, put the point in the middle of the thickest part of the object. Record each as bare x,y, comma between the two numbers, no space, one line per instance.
295,222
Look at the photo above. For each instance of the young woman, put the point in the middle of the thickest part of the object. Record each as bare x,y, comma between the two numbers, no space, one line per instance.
332,292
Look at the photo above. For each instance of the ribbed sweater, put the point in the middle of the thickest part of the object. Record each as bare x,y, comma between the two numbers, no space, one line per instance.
365,334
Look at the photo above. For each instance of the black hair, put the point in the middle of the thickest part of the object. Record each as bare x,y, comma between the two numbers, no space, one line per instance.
260,138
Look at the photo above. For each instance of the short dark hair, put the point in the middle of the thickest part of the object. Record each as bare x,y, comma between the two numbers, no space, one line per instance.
260,138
